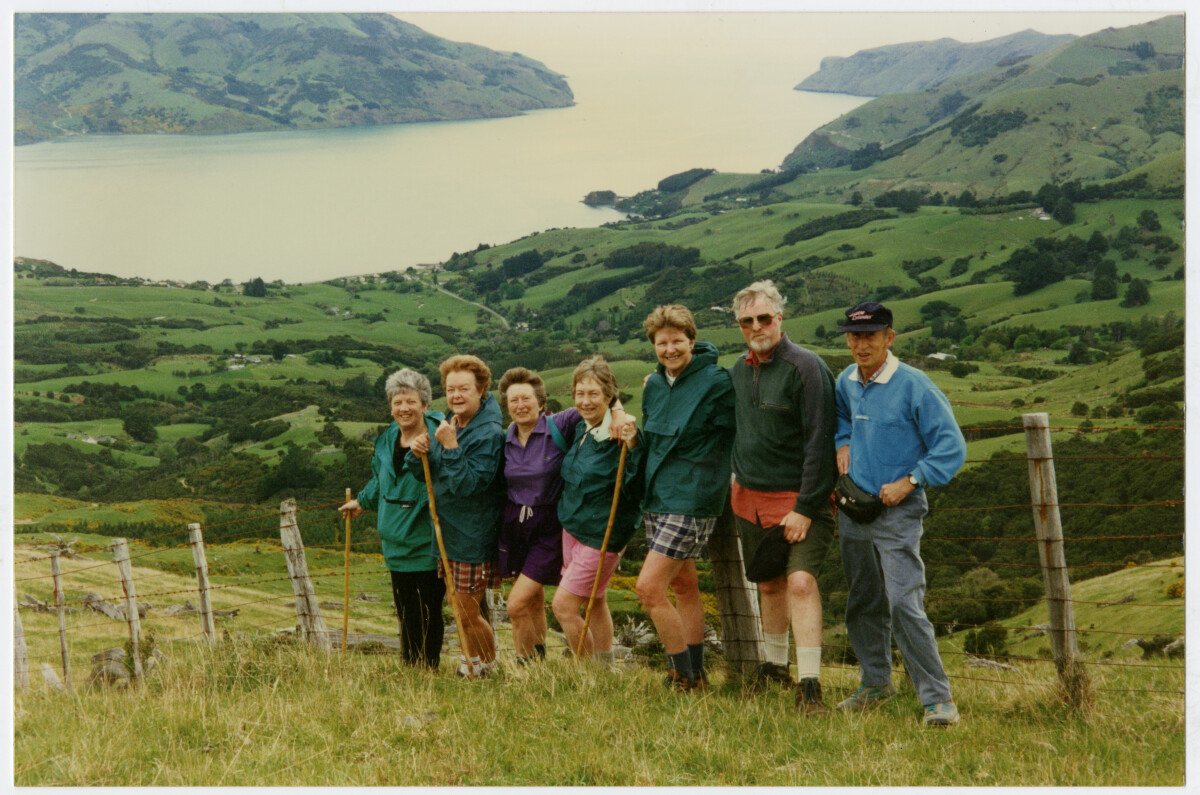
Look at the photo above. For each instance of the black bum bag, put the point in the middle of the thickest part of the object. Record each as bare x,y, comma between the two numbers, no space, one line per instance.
861,506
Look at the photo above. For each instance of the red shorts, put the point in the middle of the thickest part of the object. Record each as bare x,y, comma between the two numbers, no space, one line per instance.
472,577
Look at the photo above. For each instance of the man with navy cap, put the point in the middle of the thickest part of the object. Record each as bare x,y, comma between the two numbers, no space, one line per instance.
896,434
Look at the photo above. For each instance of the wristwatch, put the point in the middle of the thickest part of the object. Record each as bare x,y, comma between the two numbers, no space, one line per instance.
913,480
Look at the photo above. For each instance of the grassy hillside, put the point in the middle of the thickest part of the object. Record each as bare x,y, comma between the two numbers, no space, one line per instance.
1105,629
232,381
258,709
1094,108
915,66
200,402
79,74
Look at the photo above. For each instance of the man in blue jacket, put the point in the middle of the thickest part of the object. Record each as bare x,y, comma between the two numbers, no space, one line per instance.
896,434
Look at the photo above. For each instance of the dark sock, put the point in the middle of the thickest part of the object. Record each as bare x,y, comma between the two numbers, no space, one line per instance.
539,654
681,662
696,653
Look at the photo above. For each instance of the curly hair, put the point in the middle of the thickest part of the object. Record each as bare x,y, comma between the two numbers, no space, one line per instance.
523,375
676,316
597,369
465,362
407,380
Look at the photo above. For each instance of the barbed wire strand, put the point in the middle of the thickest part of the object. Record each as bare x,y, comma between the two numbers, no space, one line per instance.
1020,658
1013,459
984,429
1034,540
1123,565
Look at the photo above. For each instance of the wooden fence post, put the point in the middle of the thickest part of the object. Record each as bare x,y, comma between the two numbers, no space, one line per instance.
346,579
196,539
121,557
60,603
741,627
1047,522
20,653
307,609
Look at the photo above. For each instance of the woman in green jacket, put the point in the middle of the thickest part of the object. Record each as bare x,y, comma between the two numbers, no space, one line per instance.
403,520
589,472
466,456
688,423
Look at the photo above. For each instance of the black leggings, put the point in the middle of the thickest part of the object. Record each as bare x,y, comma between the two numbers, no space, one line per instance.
418,596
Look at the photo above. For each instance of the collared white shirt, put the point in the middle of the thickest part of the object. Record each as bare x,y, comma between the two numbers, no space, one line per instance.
883,374
602,432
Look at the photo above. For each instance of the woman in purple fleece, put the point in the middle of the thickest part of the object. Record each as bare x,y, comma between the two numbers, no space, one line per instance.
530,535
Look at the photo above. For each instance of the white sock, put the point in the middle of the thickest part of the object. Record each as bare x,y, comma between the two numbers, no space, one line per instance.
808,662
777,648
607,657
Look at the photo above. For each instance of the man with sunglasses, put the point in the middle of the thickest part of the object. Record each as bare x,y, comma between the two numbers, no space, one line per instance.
784,472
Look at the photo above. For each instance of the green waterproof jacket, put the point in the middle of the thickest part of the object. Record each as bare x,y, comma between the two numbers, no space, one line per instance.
468,485
401,504
589,473
688,430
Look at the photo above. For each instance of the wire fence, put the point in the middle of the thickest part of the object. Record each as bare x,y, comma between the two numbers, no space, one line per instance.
366,605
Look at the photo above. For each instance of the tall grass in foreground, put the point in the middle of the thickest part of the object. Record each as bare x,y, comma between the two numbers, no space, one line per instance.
260,712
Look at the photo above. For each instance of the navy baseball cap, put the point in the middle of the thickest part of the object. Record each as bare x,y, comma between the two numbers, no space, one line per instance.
867,316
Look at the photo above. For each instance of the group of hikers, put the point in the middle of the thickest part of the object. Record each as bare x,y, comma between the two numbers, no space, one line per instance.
540,501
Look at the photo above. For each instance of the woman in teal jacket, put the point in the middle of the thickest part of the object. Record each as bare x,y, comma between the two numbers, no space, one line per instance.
688,423
466,463
589,472
403,521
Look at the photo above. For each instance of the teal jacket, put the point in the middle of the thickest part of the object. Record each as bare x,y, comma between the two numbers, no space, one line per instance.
468,485
589,473
689,427
401,504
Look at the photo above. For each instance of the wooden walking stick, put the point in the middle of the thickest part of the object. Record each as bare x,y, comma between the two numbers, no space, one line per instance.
447,575
612,515
346,580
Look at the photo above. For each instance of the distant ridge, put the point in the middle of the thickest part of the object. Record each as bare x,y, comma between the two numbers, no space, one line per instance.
78,74
1091,109
913,66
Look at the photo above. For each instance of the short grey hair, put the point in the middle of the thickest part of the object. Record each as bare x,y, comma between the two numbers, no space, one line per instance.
407,380
764,289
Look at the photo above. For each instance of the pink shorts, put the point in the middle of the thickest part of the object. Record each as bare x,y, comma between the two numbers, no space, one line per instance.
579,567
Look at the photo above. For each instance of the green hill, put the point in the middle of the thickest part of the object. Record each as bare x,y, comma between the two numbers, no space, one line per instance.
1105,625
79,74
915,66
137,404
1094,108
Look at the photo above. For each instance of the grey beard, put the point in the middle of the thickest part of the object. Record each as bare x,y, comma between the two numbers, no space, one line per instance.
761,346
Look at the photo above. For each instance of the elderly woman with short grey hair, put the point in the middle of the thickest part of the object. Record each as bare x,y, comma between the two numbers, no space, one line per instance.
403,520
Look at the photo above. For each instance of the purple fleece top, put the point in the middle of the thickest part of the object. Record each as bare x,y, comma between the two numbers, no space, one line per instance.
532,470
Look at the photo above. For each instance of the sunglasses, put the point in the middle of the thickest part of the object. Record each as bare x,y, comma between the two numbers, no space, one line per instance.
763,320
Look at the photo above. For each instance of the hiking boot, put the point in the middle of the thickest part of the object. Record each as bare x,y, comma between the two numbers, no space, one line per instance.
702,681
678,682
866,697
808,698
770,672
939,715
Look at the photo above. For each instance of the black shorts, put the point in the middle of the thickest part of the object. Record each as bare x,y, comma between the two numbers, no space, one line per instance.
806,555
